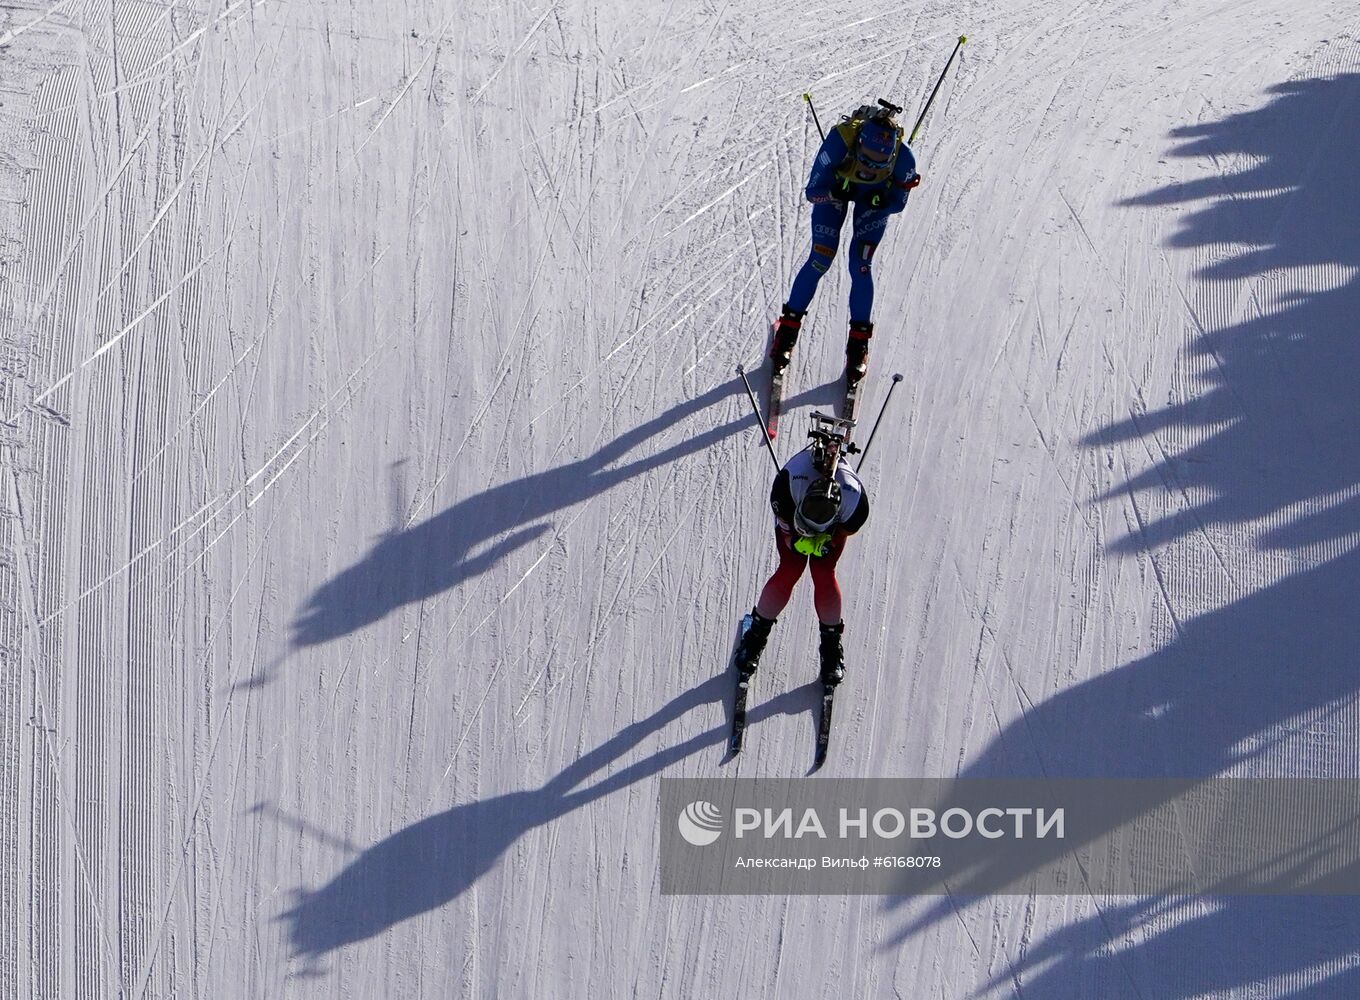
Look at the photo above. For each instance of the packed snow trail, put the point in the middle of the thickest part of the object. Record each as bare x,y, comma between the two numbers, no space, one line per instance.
378,503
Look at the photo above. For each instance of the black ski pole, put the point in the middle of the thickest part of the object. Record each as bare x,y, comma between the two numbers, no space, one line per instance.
931,99
760,423
897,377
815,120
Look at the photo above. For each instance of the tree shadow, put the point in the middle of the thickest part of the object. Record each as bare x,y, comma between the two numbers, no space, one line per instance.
1281,404
474,534
1268,683
432,862
1187,950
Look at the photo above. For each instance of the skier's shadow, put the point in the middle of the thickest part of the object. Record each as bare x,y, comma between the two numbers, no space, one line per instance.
432,862
452,547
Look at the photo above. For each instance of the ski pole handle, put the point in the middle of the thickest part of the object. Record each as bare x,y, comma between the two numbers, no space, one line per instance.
815,120
931,99
897,377
756,410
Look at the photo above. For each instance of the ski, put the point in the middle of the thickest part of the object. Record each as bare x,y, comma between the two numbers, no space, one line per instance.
776,402
739,712
824,724
850,403
781,353
743,686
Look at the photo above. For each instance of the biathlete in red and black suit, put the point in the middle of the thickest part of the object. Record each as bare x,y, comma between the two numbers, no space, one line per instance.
815,513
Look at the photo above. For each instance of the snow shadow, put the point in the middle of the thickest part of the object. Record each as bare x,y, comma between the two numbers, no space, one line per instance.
1268,682
470,537
434,861
1282,402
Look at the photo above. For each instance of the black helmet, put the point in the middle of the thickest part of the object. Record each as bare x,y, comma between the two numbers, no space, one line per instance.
819,508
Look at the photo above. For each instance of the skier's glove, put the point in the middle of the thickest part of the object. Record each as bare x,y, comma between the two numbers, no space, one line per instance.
823,198
813,545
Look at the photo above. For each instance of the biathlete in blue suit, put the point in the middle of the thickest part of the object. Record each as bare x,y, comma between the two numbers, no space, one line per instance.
863,161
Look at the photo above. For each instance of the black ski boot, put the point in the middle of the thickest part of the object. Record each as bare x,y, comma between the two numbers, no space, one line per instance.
785,336
753,643
833,656
857,351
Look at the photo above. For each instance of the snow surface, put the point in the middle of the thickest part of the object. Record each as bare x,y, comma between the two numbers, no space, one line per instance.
379,502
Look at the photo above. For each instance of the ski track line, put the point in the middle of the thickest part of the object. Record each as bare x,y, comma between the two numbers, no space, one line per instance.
1172,487
98,203
717,275
171,891
280,136
406,86
491,681
213,143
112,810
547,659
150,310
51,806
1026,705
523,42
1147,548
599,631
254,498
718,200
891,53
65,801
416,504
188,40
141,815
698,182
1114,280
9,36
1208,340
345,385
151,229
669,102
221,502
795,48
1057,469
191,819
719,340
520,333
193,414
249,112
271,302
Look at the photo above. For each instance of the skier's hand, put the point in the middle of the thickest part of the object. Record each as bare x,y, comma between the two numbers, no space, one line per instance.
896,200
813,545
823,198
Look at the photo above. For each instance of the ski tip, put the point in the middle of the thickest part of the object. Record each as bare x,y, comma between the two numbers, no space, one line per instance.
770,433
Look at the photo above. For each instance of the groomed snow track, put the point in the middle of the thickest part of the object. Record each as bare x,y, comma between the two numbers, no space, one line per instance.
377,503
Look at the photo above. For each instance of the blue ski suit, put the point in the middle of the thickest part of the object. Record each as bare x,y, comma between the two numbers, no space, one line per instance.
829,194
